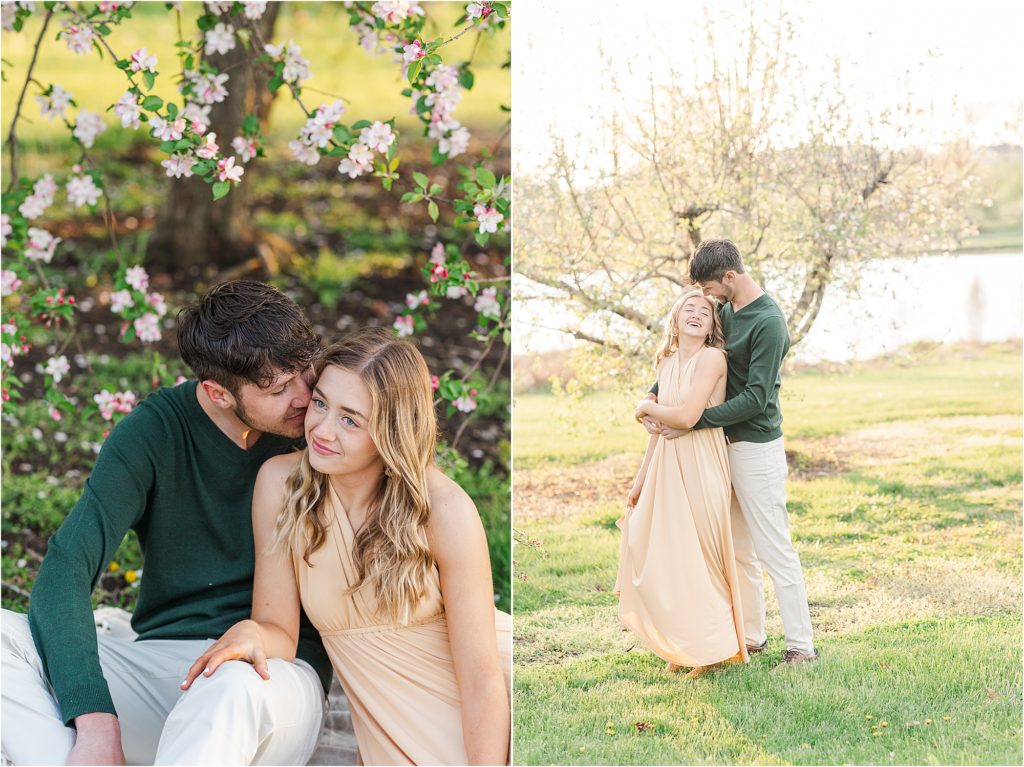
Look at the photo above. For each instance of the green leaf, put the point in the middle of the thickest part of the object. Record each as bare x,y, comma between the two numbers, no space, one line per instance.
433,211
150,79
421,180
167,146
482,238
129,335
414,70
250,125
361,124
172,109
501,9
411,197
436,189
190,61
437,156
152,103
486,178
183,143
202,168
123,64
338,151
466,79
207,22
220,189
434,59
103,29
387,183
341,134
275,82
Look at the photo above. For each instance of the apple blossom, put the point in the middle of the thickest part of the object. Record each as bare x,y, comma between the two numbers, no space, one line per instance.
208,148
121,300
396,11
220,7
41,245
487,303
455,292
78,37
456,143
137,277
46,187
8,12
179,165
245,147
378,136
167,130
157,303
434,383
412,300
142,62
127,108
296,66
114,402
82,190
413,52
5,228
254,9
488,217
197,115
55,414
228,171
404,325
9,282
88,127
57,367
303,153
107,7
206,89
220,39
147,328
54,104
437,255
476,11
33,207
465,404
358,162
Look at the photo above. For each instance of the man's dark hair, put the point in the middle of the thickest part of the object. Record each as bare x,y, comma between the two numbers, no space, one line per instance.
712,259
245,331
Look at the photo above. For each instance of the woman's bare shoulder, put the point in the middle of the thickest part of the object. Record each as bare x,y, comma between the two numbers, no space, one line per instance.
276,470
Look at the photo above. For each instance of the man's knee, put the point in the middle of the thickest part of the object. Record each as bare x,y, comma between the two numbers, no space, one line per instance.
16,643
233,678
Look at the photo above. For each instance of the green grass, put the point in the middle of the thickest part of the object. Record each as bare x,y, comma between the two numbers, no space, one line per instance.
904,498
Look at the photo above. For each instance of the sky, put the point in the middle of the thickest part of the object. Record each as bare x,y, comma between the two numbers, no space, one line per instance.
964,58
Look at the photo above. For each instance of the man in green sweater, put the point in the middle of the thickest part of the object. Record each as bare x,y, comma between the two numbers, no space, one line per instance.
179,470
756,340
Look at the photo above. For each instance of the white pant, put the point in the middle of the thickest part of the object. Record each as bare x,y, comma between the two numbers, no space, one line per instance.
232,717
760,531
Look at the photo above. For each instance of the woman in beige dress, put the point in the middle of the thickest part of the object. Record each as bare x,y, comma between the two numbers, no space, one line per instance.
677,582
389,560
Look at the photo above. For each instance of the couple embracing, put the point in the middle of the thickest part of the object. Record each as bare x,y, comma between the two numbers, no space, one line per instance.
286,501
707,512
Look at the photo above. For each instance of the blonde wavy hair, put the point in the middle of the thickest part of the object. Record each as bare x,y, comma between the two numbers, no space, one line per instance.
670,344
390,552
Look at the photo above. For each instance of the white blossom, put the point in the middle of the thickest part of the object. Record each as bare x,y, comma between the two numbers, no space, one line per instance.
82,190
220,39
88,127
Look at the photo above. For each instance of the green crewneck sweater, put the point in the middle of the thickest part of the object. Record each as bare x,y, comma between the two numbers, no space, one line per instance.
756,340
167,472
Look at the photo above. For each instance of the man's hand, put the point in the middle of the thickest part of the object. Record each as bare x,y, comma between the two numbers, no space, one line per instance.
670,433
652,426
98,740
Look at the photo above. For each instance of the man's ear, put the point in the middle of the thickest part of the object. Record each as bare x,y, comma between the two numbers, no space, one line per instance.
728,277
218,395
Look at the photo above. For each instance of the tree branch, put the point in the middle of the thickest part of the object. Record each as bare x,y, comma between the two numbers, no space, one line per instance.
12,138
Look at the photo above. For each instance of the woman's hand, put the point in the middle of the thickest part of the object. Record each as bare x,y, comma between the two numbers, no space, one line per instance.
243,641
634,495
643,408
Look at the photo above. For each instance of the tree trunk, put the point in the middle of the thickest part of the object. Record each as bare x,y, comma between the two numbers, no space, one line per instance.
192,231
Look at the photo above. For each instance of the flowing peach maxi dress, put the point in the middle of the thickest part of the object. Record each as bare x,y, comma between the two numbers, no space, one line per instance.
677,582
400,680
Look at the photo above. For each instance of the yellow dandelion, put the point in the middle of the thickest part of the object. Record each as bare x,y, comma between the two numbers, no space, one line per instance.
131,576
876,733
610,724
868,716
114,567
946,718
927,721
883,724
582,749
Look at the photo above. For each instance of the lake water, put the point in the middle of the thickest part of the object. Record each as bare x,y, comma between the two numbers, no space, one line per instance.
932,298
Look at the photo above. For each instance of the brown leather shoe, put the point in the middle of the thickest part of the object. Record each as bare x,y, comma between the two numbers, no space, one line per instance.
755,649
793,657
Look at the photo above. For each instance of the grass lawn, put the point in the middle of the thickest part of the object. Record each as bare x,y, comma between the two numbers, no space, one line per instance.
905,500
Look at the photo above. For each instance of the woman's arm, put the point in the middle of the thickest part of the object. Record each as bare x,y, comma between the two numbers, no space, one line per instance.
459,547
711,368
273,630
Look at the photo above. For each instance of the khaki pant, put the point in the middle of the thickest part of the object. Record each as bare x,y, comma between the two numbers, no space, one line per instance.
232,717
760,531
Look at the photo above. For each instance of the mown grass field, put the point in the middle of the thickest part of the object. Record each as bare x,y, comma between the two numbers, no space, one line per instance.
905,501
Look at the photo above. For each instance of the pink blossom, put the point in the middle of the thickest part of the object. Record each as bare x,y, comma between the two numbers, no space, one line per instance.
33,207
488,217
168,130
413,52
455,292
82,190
465,404
121,300
45,188
303,153
8,13
476,11
437,255
208,148
197,114
55,413
254,9
9,281
220,7
434,383
378,136
404,325
487,303
296,66
107,7
57,367
137,277
228,171
358,162
246,147
207,89
455,143
127,108
5,228
412,300
114,402
147,328
157,303
78,37
444,78
41,245
88,127
53,105
140,61
179,165
396,11
220,39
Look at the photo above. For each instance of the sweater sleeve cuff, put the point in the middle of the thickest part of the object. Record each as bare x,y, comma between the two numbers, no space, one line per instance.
91,698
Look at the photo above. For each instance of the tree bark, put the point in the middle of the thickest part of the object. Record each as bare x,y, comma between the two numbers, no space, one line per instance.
192,231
